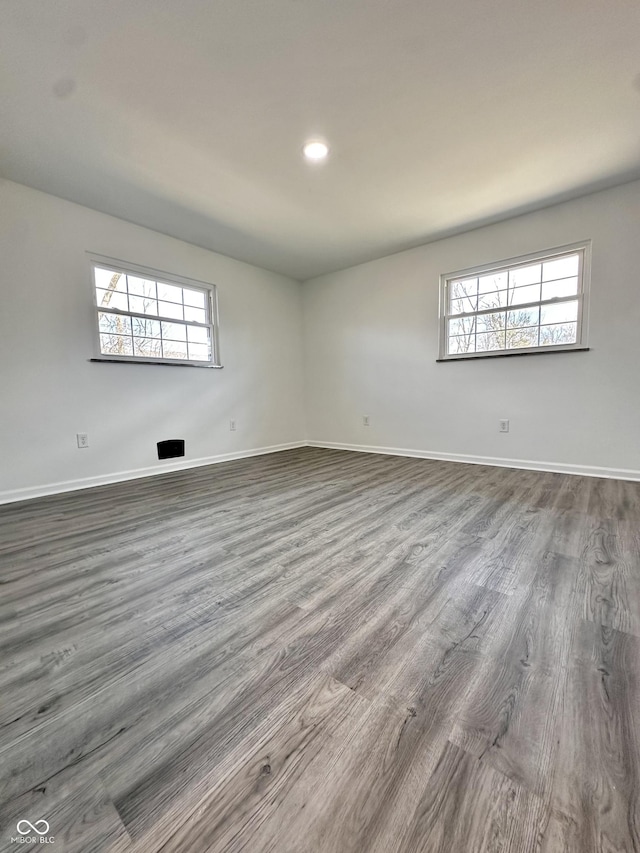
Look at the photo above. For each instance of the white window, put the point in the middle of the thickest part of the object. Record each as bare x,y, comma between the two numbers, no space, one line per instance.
147,316
531,304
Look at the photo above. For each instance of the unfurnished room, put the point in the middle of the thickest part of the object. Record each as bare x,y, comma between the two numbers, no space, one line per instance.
320,426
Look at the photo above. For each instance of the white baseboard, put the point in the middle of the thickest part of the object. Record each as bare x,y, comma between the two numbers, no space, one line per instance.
528,464
14,495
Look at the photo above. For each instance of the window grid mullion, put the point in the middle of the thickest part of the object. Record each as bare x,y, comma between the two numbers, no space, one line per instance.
475,319
161,340
543,303
161,319
482,272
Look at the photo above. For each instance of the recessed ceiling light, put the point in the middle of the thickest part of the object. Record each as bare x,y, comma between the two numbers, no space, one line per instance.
315,150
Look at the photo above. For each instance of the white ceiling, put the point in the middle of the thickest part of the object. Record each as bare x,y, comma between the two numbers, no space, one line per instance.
188,117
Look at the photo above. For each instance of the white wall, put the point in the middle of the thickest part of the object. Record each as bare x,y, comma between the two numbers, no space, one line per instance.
371,340
49,390
370,344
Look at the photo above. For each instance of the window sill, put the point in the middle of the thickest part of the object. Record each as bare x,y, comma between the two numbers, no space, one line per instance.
509,354
156,363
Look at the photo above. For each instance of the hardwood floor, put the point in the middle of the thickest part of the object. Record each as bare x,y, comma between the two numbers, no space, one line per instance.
324,652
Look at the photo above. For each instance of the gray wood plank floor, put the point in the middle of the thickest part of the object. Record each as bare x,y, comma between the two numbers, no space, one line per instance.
324,652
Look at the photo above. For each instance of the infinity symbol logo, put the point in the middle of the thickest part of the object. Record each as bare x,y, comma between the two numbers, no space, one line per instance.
32,827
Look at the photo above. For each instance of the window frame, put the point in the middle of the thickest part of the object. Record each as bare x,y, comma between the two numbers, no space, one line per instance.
582,248
159,276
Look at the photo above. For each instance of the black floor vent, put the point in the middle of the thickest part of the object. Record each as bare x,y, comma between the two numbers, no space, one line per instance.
170,448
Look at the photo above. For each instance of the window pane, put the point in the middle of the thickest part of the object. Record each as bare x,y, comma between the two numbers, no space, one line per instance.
463,326
562,268
145,328
563,312
493,281
142,305
461,344
491,322
174,349
523,317
462,306
525,275
115,345
169,292
497,299
195,315
521,338
198,335
142,287
490,341
110,280
174,331
199,352
112,299
466,287
170,309
115,324
149,347
565,333
193,297
557,289
522,295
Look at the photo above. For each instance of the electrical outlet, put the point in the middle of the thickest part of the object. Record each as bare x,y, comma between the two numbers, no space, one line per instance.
83,440
504,425
365,420
232,426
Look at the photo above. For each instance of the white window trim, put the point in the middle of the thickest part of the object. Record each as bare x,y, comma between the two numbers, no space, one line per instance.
125,267
584,276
